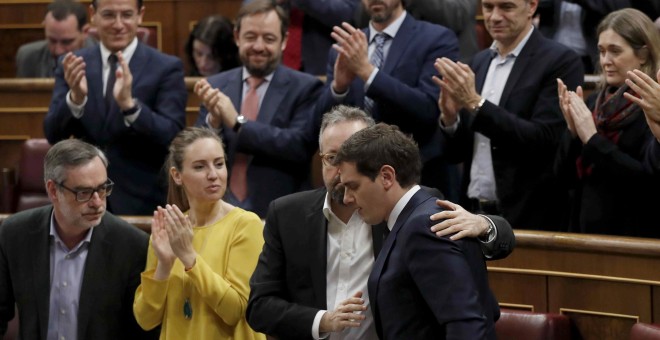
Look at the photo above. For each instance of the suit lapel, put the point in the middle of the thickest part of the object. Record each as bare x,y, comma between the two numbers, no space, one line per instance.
374,279
138,62
41,267
94,276
317,233
94,76
482,70
400,44
273,97
522,60
233,89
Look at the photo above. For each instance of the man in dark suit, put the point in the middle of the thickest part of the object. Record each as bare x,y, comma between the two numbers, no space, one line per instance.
302,283
501,118
386,69
457,15
72,268
132,113
267,126
65,29
421,286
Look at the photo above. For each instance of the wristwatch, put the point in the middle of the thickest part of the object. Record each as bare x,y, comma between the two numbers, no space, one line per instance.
132,110
477,107
240,120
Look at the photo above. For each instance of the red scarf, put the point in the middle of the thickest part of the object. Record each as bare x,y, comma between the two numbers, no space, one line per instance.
612,113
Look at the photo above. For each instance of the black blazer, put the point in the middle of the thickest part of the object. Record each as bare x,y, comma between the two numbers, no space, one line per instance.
117,256
618,197
288,286
524,131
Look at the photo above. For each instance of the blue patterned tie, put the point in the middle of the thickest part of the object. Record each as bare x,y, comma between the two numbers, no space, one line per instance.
377,58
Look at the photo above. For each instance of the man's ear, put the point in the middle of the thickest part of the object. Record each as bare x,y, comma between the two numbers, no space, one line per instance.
51,190
140,15
91,11
388,174
285,39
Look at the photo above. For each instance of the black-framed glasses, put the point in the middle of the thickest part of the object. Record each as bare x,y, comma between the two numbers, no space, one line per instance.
328,158
84,195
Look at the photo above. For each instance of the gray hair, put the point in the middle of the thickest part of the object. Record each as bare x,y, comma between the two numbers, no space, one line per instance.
344,113
67,154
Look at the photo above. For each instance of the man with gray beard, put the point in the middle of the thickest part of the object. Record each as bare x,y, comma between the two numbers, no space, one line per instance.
311,278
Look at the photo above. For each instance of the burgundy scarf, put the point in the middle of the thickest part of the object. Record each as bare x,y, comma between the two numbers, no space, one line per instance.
611,113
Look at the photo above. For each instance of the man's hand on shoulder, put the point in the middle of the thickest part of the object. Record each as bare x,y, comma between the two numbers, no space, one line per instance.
458,221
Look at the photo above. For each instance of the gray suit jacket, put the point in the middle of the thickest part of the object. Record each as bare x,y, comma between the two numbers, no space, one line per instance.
117,256
33,60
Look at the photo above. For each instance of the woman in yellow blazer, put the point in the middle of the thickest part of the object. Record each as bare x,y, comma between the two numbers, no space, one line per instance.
199,263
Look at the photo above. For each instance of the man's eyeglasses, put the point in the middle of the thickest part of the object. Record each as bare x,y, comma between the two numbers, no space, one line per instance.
328,158
84,195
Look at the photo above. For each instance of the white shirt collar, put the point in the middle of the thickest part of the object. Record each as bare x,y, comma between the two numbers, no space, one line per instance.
127,52
390,30
398,208
519,47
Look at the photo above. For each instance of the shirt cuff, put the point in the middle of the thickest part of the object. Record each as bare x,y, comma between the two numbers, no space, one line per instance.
317,324
489,242
451,129
76,110
370,79
208,123
130,119
338,96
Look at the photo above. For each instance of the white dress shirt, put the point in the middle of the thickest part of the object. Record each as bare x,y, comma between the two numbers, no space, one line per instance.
350,258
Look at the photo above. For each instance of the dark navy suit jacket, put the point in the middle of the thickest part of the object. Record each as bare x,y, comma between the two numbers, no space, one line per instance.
281,140
117,255
425,287
137,152
403,91
524,132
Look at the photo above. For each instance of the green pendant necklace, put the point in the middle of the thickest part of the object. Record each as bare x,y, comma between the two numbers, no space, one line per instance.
187,306
187,309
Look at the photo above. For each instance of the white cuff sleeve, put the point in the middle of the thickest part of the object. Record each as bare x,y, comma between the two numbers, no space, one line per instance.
451,129
76,110
130,119
208,123
488,242
370,79
317,324
339,96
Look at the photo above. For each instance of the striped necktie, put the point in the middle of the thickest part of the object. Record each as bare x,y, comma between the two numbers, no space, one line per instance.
377,58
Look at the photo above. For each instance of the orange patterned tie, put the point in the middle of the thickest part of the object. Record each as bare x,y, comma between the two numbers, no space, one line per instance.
249,109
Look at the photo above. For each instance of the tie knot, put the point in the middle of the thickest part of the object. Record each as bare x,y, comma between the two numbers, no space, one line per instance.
112,59
380,38
254,82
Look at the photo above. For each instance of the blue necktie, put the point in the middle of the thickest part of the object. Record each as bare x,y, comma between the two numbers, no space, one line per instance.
377,58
